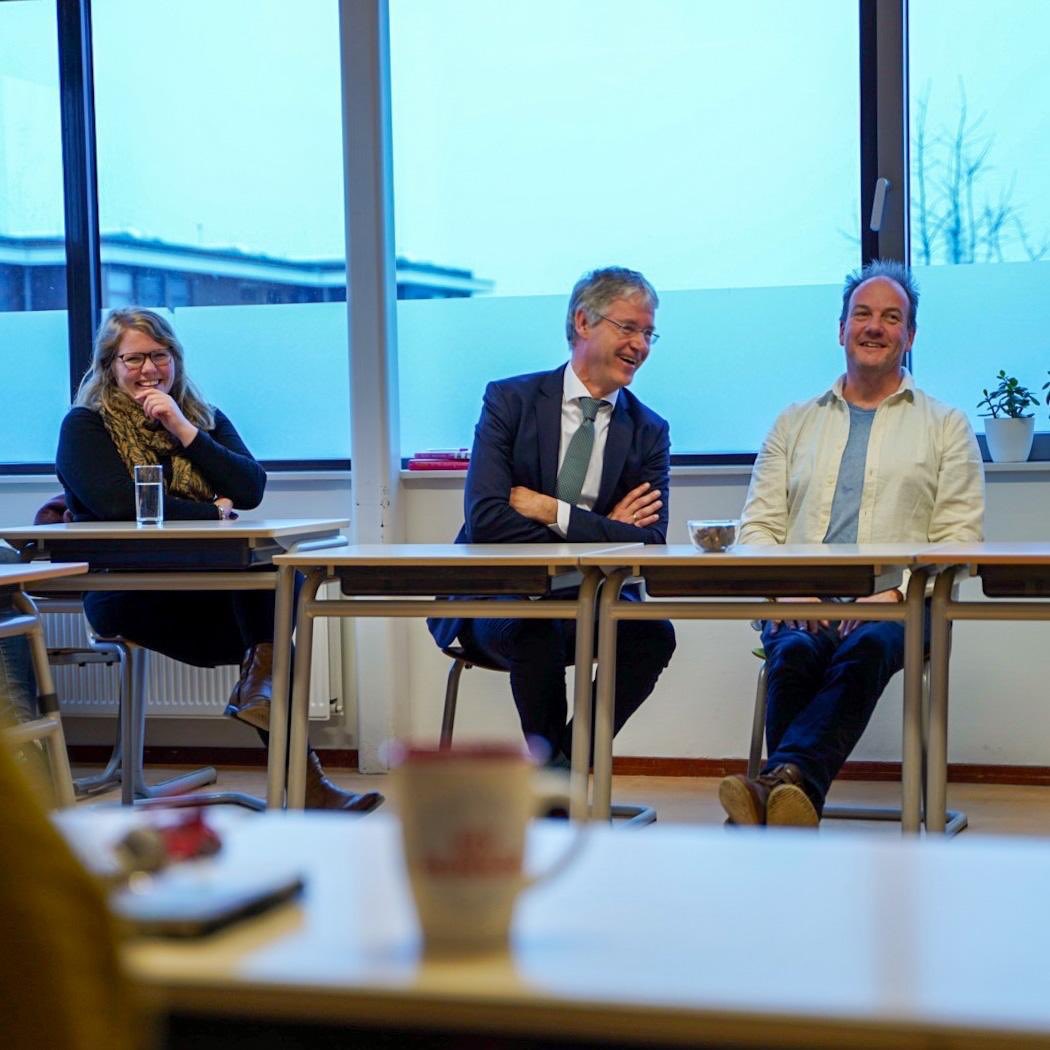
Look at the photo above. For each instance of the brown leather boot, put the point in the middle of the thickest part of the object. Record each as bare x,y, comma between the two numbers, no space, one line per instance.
250,699
321,793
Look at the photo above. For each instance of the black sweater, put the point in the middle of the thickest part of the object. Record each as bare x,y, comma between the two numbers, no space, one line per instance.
99,487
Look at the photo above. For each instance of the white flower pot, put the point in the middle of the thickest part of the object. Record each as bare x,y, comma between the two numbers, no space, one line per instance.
1009,440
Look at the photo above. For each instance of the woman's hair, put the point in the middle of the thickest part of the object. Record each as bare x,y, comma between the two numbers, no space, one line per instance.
99,385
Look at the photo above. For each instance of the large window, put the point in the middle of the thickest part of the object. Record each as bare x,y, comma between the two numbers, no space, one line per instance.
715,148
980,214
34,349
221,198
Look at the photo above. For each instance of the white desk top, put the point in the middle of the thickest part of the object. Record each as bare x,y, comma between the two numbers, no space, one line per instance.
17,573
128,531
453,554
665,935
784,554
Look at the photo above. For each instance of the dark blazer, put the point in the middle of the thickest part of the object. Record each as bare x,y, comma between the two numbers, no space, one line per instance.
516,443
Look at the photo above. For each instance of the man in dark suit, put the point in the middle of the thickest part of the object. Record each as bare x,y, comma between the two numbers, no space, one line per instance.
571,454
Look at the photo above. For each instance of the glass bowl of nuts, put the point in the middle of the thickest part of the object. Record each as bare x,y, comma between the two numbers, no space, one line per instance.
712,535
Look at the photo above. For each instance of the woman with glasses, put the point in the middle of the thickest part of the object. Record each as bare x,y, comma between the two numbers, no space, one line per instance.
136,405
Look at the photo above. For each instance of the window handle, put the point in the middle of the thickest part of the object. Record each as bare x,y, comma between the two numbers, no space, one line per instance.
878,204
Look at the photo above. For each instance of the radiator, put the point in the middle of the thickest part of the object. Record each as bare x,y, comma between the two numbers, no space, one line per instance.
175,689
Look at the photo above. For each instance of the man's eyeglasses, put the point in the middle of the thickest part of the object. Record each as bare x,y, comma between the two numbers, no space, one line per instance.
133,362
650,335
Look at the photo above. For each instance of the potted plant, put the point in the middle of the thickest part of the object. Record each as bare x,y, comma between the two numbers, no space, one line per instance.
1008,430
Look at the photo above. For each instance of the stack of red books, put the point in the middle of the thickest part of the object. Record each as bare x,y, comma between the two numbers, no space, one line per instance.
440,459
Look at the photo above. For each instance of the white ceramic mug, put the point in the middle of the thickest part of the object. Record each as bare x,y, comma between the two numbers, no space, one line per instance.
464,813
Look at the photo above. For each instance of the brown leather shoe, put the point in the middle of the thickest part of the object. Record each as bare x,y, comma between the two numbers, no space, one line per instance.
790,807
321,793
250,699
749,800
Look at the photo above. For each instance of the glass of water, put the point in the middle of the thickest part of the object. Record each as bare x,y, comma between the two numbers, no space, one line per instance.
149,494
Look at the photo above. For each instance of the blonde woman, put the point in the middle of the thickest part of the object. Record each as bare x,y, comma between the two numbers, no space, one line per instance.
137,405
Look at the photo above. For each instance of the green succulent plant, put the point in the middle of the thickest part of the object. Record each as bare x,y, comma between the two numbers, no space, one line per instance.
1008,399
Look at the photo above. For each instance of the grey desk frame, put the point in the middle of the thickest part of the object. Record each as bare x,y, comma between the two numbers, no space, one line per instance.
1010,570
181,548
418,573
822,570
24,620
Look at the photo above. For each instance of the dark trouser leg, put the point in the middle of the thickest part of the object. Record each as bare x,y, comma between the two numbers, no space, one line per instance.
822,734
536,653
194,627
254,613
643,649
796,661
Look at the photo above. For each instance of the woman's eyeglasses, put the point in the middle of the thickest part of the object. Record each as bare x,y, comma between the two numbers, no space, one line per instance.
133,362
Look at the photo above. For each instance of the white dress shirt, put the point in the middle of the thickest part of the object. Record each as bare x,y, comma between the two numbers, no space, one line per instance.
571,418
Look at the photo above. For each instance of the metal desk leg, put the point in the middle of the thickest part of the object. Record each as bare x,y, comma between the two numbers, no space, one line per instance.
937,754
911,766
300,717
47,700
277,755
582,707
605,695
127,728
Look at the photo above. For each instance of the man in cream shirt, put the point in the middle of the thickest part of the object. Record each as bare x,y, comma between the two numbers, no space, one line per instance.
872,460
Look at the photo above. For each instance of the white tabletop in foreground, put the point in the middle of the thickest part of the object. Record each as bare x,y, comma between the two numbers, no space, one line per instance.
674,933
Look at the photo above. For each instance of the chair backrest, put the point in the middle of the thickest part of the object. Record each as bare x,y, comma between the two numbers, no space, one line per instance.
53,512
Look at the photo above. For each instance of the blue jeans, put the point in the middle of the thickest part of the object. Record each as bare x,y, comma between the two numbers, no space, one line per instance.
821,692
17,684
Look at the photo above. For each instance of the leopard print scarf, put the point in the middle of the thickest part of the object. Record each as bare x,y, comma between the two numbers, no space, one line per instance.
140,440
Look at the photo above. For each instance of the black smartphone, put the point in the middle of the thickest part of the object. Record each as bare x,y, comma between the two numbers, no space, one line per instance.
185,907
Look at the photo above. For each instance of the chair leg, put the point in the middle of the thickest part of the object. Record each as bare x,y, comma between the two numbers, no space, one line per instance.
95,783
111,775
632,815
448,715
47,728
758,725
133,732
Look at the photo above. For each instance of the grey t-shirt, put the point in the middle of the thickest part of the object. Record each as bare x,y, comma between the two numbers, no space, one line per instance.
845,507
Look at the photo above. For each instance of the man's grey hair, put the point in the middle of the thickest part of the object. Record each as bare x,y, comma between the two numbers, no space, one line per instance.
595,292
894,271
